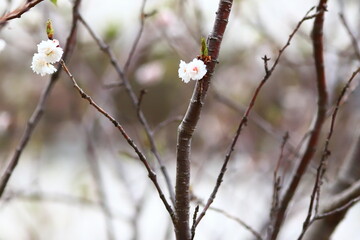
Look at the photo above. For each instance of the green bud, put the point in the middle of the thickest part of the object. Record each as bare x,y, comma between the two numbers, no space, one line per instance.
204,48
49,29
54,2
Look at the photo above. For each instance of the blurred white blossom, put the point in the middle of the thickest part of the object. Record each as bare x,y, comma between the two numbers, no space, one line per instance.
195,70
48,52
51,50
5,121
40,66
2,44
150,73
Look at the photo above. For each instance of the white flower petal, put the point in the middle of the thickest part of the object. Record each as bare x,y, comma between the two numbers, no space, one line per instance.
40,66
51,49
194,70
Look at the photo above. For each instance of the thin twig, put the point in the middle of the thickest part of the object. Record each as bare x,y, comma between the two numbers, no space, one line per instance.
194,222
40,107
351,35
52,197
256,118
142,93
151,173
230,216
138,36
17,13
277,178
268,73
315,195
134,99
113,85
166,122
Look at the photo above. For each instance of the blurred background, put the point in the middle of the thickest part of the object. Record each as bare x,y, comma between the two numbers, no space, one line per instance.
54,192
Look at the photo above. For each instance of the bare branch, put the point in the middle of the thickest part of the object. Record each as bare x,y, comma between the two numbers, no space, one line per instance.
256,118
151,173
166,122
277,178
268,73
351,35
230,216
338,210
134,99
17,13
315,195
317,36
188,124
40,107
138,36
99,185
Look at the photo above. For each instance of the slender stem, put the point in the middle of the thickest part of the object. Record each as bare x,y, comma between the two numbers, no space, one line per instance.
138,36
151,173
135,101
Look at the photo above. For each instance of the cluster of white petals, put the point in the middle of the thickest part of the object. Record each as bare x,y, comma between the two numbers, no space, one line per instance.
194,70
49,52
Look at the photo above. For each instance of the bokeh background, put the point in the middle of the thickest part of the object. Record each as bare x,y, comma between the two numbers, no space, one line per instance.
53,192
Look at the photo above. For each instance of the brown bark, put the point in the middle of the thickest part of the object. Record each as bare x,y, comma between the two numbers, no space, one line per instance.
188,124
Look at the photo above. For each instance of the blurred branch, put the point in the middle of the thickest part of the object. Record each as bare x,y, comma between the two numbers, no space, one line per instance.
113,85
276,178
317,37
134,99
351,35
99,185
256,118
342,208
138,36
40,107
52,197
228,215
166,122
188,124
315,195
268,73
151,173
19,11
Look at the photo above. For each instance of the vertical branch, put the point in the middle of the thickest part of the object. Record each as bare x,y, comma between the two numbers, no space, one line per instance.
40,107
317,38
99,185
244,119
138,36
188,124
135,101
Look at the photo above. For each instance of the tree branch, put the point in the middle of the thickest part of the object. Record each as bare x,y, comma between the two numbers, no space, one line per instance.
317,37
135,101
40,107
187,126
243,121
151,173
17,13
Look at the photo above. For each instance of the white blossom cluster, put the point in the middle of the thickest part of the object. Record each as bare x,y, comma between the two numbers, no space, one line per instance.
49,52
195,70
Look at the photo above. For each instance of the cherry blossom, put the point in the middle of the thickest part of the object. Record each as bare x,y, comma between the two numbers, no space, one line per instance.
195,70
